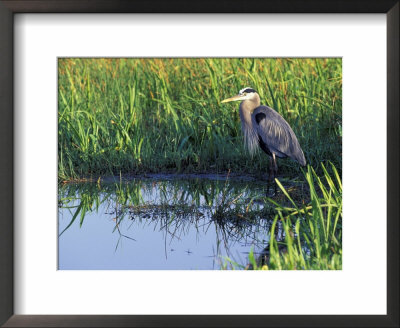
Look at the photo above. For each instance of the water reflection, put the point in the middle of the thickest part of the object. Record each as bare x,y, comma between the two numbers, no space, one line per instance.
162,224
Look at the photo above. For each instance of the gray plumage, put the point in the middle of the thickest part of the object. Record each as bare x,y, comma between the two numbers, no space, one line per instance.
276,135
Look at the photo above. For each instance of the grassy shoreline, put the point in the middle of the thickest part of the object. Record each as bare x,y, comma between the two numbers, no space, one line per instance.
303,222
135,116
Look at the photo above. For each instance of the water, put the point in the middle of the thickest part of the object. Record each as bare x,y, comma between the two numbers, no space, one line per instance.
160,223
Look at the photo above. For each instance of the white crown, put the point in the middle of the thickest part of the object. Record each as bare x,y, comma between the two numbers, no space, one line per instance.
241,91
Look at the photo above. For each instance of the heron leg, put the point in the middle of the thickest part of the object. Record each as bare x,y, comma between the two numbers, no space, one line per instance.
275,169
275,165
270,172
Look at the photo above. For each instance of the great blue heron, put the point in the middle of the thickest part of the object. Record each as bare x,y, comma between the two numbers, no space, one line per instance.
263,126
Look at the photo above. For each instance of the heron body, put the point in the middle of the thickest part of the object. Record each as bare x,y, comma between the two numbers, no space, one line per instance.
265,128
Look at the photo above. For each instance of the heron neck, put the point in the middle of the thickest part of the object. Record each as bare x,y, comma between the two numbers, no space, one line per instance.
250,105
246,108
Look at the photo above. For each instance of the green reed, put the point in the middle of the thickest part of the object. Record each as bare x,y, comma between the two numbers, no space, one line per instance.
151,115
312,232
303,223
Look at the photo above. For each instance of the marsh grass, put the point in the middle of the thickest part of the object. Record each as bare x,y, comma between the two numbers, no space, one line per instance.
164,115
303,224
131,116
312,232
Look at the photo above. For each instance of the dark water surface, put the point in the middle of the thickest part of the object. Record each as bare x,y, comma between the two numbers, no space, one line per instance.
162,223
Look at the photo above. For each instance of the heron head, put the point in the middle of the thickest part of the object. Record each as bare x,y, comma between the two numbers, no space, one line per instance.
245,93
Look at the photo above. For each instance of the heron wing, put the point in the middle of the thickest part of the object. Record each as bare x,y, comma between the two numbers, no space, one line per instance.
276,134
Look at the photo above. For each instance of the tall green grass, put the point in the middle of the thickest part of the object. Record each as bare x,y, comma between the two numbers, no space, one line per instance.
312,232
160,115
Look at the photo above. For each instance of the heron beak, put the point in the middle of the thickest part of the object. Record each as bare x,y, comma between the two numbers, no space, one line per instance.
234,98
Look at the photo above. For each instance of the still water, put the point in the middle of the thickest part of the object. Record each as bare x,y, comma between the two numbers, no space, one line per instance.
162,223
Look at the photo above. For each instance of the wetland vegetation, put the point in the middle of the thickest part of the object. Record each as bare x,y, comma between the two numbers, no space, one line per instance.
164,162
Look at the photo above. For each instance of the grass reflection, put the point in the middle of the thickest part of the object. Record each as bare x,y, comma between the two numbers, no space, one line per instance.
300,228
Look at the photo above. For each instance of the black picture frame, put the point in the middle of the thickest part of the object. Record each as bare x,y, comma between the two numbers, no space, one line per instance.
7,200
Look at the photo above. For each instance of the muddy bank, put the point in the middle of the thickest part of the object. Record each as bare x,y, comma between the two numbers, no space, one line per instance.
171,176
181,176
